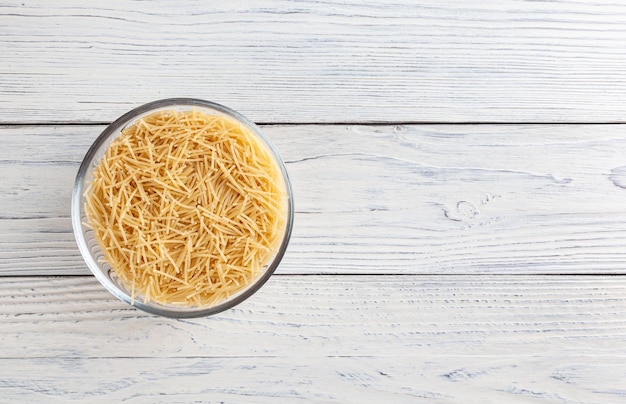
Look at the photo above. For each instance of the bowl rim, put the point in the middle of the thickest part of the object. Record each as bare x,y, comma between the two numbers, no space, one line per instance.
111,132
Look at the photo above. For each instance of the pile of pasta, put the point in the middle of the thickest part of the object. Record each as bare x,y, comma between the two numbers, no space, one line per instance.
187,207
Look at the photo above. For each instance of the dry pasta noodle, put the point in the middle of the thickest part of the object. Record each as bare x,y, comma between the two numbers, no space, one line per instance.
187,207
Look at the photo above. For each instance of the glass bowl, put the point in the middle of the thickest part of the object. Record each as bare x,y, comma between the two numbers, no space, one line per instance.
88,244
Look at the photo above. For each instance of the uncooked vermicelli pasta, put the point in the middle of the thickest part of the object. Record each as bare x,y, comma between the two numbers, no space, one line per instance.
187,207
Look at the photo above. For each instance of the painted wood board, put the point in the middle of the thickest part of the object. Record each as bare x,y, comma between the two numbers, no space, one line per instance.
396,199
317,61
446,378
324,338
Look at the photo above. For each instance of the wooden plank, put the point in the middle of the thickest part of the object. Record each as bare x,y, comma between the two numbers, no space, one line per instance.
448,378
327,315
324,338
378,199
289,61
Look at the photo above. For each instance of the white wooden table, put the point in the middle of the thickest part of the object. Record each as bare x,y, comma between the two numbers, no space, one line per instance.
460,182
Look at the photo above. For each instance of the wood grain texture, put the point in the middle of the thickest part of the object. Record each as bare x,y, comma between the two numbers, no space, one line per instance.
448,378
429,263
317,61
413,199
324,338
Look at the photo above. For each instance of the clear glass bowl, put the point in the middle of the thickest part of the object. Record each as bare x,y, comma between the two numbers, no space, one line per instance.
85,237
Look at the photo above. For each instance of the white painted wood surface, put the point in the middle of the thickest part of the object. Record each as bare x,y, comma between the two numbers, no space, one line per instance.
403,199
324,339
439,263
317,61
